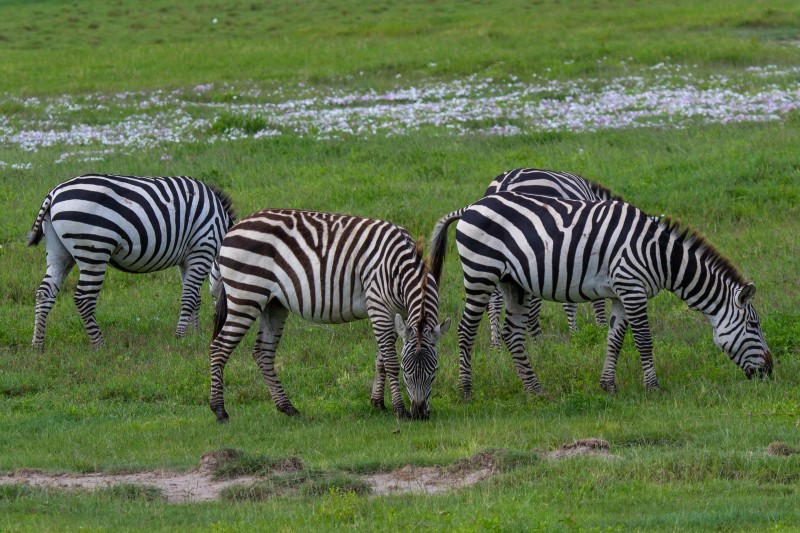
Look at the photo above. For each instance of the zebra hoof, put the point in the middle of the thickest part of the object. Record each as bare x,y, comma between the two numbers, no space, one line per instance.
377,403
289,410
609,386
402,414
466,395
653,389
222,417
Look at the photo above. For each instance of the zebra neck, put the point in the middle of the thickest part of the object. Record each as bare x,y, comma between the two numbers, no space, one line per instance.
695,277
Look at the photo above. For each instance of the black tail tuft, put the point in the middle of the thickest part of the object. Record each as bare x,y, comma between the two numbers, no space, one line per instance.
220,311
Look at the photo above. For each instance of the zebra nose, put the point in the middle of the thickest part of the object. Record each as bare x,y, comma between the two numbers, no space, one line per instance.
420,411
765,370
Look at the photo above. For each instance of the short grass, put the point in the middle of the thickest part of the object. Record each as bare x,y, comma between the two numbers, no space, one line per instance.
694,456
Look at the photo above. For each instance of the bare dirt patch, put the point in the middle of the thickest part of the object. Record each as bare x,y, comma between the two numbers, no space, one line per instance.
201,483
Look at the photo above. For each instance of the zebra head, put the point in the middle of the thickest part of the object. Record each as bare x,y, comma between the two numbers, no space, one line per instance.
737,332
419,361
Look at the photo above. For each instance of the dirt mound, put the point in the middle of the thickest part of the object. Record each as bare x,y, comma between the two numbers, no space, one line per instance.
201,484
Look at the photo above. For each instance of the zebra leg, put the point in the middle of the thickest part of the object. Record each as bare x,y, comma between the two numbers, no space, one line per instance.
378,386
599,307
643,338
89,283
534,328
617,327
571,310
392,368
517,308
59,263
193,271
228,338
474,306
493,310
270,329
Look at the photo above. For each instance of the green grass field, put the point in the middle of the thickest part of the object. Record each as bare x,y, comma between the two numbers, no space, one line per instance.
693,457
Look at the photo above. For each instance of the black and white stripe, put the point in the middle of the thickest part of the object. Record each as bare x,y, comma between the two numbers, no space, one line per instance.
557,185
135,224
327,268
577,251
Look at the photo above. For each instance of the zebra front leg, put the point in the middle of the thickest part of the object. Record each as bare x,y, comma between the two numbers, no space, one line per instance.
534,328
517,307
572,311
378,386
474,306
270,329
59,263
193,271
599,307
89,284
617,327
493,310
643,338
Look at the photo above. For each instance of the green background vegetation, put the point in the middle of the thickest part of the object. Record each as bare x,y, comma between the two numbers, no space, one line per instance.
694,456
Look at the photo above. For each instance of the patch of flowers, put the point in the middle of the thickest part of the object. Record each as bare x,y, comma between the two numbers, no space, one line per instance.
663,95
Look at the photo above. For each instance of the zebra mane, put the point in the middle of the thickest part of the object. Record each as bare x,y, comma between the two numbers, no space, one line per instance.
602,191
226,201
693,237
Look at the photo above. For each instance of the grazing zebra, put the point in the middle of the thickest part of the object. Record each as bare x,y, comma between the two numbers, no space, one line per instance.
576,251
136,224
327,268
557,185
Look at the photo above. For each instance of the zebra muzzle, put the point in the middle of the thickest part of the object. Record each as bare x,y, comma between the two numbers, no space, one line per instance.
420,411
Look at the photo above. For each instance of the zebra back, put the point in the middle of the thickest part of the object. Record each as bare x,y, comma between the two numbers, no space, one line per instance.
550,183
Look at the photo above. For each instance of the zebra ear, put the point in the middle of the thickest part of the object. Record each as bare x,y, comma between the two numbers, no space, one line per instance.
400,326
745,295
441,329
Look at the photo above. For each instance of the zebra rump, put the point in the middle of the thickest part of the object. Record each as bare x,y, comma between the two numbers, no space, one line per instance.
578,250
135,224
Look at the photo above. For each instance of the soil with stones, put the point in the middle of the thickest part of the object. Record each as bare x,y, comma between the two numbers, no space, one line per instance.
199,484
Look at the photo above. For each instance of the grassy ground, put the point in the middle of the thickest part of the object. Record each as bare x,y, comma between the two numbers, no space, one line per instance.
694,456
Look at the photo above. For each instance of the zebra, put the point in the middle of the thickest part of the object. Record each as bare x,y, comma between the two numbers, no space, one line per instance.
136,224
558,185
578,250
327,268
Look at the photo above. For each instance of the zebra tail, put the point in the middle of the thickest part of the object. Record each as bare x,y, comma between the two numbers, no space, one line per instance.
35,234
220,311
439,243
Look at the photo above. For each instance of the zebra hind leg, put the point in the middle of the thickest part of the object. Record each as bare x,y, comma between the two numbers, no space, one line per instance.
493,310
59,263
270,329
517,307
231,333
572,311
